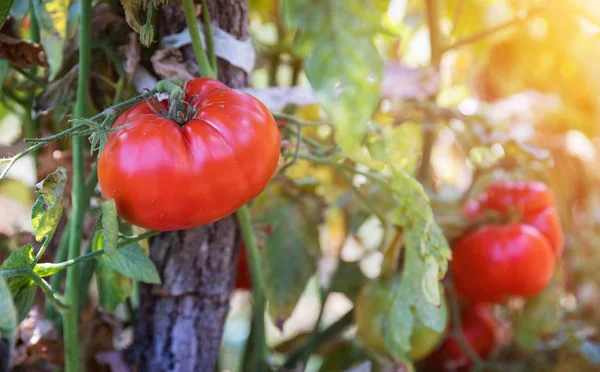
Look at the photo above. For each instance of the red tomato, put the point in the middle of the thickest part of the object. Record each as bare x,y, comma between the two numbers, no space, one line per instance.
480,331
242,278
169,177
494,262
532,201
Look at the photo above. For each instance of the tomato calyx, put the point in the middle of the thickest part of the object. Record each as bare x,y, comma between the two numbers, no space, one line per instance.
180,111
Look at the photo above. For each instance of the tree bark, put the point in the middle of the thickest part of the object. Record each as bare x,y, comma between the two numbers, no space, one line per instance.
179,325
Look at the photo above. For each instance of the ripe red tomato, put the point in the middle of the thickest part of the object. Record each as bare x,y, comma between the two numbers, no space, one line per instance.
480,331
164,176
494,262
371,306
242,279
532,201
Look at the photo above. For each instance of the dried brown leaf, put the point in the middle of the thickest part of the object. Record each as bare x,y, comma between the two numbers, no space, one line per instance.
22,53
59,91
130,53
169,63
132,9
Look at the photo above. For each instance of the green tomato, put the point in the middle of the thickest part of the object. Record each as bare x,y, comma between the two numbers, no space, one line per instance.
370,310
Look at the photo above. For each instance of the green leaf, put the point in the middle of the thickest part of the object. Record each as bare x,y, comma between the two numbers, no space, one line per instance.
19,259
130,260
426,262
22,288
410,302
23,298
541,315
8,314
5,6
113,286
414,214
46,269
348,279
344,356
3,68
48,207
291,251
342,63
52,17
110,226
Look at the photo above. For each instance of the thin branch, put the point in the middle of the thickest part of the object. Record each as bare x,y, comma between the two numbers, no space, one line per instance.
340,166
295,120
210,43
45,287
458,12
520,18
458,329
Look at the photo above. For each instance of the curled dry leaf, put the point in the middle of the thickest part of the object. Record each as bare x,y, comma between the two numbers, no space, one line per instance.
169,63
39,341
132,9
59,91
131,54
22,53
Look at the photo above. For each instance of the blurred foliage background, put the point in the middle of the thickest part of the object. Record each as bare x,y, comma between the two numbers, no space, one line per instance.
514,97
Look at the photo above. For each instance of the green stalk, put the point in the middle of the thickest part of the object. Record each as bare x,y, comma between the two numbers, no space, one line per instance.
423,173
304,353
78,194
210,43
87,271
31,124
321,338
257,359
201,58
56,279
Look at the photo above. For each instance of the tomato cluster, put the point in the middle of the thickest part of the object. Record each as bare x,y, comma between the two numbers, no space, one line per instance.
168,175
517,258
494,261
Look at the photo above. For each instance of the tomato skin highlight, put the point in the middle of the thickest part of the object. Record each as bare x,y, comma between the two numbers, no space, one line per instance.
494,262
480,330
166,177
533,201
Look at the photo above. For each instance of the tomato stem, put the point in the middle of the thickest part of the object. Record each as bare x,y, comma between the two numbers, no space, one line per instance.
257,359
458,328
192,23
78,194
321,337
210,43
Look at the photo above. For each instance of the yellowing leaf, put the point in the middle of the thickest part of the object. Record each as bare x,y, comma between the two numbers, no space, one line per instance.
52,17
342,63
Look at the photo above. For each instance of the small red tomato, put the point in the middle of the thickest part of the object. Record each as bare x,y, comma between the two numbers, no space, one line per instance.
532,201
480,330
494,262
165,176
243,280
